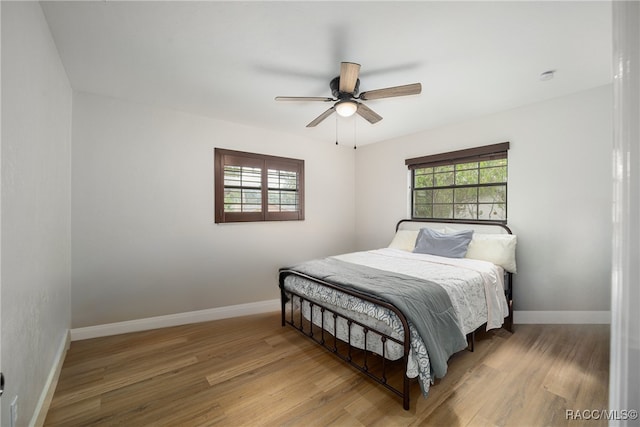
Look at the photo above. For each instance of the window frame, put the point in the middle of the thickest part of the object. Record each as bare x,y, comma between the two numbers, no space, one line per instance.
453,158
224,157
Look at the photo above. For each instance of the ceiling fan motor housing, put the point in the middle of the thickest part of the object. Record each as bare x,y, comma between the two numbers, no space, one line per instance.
335,85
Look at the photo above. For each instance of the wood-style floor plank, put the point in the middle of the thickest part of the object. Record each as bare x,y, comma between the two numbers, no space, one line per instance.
250,371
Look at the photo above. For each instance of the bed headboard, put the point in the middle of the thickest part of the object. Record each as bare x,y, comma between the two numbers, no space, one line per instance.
478,226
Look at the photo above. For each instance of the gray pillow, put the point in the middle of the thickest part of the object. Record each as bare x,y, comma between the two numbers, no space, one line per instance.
452,245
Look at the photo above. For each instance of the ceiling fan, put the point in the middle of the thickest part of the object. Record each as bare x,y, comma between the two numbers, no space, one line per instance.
345,89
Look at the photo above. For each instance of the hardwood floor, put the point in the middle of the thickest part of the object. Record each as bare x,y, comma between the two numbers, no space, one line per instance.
251,371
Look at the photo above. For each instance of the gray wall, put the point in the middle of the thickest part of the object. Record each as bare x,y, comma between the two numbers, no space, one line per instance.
559,194
36,197
144,240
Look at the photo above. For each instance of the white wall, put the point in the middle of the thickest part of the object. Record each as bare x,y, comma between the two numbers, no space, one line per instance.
144,240
559,194
36,185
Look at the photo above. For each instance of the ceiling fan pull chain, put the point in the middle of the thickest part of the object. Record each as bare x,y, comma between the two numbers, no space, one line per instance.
355,124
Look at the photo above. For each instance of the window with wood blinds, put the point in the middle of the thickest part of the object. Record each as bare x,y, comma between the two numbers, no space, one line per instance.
257,187
461,185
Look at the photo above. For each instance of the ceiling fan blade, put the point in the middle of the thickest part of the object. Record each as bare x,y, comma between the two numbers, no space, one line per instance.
412,89
304,98
321,117
348,76
368,114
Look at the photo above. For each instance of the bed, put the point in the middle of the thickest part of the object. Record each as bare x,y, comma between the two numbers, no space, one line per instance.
398,313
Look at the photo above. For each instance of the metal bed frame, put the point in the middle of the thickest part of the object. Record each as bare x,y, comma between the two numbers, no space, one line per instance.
344,349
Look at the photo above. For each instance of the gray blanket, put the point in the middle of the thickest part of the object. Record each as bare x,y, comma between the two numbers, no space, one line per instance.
426,305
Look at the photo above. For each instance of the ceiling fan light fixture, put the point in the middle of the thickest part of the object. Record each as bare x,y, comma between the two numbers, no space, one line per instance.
346,108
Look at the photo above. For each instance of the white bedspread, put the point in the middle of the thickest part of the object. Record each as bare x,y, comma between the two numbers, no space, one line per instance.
476,288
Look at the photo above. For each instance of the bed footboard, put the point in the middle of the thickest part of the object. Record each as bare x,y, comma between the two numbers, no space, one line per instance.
377,367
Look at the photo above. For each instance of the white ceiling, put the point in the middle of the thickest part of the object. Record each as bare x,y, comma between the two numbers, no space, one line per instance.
230,59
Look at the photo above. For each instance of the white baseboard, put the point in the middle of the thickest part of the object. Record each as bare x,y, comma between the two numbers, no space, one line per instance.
520,317
42,407
562,317
174,319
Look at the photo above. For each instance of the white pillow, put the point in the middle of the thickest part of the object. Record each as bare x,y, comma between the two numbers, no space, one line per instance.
499,249
404,239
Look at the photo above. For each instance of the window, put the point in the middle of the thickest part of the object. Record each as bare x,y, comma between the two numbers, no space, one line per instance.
465,185
256,187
